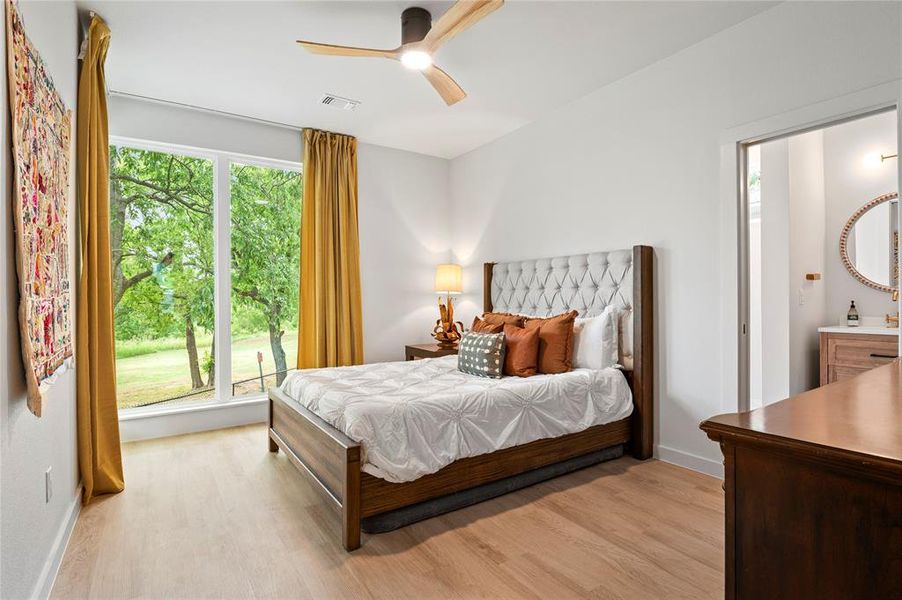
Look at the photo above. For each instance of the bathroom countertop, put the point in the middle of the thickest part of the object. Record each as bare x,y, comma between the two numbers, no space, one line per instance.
860,330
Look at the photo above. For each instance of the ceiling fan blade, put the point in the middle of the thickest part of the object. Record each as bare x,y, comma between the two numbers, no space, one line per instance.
446,87
335,50
463,14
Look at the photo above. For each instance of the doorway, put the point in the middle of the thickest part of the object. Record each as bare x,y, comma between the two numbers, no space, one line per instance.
819,227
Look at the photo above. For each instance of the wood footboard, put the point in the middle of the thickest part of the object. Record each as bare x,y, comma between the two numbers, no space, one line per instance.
329,458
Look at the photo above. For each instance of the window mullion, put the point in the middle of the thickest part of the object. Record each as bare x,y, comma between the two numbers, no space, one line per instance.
223,282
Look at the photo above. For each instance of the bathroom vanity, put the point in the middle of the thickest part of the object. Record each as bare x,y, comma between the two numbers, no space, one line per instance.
849,351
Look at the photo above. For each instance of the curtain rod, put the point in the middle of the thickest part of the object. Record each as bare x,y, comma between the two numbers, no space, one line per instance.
212,111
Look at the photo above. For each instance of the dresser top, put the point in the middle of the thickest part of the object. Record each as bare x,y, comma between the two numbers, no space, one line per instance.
860,330
858,420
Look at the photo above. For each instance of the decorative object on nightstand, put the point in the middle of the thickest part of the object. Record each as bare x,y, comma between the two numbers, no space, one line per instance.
415,351
447,281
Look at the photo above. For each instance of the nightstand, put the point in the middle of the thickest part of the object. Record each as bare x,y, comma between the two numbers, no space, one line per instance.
427,351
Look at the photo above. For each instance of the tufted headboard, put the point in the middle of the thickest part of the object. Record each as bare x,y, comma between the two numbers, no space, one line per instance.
588,283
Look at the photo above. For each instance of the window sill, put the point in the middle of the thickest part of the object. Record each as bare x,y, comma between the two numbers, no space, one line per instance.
179,420
133,414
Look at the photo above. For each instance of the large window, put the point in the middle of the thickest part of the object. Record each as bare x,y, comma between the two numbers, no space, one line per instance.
266,221
205,257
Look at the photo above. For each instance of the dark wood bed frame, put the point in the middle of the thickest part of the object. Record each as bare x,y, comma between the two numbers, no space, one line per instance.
332,460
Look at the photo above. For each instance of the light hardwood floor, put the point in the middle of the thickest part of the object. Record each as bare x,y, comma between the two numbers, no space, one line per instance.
214,515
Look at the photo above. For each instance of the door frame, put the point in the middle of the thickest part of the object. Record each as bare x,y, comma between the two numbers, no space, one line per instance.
734,213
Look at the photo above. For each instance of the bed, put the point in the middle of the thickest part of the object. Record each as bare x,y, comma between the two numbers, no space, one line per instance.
442,438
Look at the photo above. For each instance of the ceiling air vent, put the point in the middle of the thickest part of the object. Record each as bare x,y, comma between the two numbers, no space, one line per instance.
339,102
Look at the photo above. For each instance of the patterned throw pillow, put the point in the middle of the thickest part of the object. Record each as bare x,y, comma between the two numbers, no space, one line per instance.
481,354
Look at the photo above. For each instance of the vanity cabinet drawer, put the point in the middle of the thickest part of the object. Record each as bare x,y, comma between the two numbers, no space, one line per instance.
845,355
862,353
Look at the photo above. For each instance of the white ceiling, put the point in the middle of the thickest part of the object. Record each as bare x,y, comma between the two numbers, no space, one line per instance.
520,62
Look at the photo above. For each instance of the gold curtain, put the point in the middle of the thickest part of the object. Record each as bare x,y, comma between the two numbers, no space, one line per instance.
99,454
330,328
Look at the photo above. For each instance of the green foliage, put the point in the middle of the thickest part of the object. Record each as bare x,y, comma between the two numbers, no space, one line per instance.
247,319
266,221
164,203
161,209
207,364
138,315
755,180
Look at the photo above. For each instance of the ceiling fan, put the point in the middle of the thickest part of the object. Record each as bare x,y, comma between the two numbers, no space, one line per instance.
420,40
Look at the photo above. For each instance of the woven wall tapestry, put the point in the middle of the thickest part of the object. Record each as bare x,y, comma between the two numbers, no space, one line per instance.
41,152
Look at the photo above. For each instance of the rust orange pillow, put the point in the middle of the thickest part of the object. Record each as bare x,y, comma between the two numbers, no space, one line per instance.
522,356
504,319
480,326
555,341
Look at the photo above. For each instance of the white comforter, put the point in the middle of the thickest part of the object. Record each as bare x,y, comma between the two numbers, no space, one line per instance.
413,418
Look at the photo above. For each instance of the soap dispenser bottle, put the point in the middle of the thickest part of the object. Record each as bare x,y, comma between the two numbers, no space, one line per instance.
852,317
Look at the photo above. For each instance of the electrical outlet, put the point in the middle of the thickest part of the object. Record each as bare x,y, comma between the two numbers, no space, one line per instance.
48,484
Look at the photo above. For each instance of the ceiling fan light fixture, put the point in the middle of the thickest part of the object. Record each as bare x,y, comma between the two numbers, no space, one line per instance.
420,38
418,60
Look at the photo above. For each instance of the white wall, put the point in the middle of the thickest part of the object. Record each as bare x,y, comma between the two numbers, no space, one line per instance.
30,529
403,211
793,235
807,246
152,121
755,283
852,179
639,161
775,200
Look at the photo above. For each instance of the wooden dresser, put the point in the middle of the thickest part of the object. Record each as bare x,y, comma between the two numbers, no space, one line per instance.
850,351
813,492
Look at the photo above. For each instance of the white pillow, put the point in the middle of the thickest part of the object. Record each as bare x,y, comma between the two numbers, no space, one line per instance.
595,341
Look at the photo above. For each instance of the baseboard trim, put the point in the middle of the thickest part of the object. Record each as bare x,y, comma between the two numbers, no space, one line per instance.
45,582
691,461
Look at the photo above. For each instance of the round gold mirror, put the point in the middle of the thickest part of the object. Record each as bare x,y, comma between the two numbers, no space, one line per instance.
869,243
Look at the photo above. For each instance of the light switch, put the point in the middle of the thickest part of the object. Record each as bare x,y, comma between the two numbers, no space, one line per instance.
48,485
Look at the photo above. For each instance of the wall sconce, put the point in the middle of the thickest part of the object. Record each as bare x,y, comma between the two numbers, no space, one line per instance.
874,160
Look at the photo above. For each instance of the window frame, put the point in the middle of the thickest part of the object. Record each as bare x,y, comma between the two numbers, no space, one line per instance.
222,273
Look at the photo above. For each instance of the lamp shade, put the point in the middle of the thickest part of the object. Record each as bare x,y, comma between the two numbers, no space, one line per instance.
448,279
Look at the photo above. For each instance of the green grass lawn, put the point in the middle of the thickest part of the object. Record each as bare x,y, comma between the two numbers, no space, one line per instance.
163,372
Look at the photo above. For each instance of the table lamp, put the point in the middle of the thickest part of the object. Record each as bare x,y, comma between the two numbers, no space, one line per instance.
447,281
